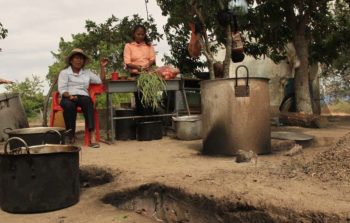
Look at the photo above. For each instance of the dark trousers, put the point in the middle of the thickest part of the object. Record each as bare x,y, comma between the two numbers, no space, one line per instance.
70,112
140,108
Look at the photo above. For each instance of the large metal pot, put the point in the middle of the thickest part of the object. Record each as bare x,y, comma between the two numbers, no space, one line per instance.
36,136
236,115
38,178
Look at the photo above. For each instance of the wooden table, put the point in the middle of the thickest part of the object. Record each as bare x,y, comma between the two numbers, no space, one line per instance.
129,86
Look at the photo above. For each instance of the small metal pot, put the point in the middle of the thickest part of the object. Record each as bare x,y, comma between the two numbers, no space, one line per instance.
188,127
38,178
36,135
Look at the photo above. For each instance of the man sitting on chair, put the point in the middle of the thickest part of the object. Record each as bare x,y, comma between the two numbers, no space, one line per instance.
73,84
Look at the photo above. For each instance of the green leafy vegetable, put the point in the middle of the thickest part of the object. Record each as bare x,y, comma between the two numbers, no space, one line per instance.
150,84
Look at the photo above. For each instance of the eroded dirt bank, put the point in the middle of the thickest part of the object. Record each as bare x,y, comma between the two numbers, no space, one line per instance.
276,188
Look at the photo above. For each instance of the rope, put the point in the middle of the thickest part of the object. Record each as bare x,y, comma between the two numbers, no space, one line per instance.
146,1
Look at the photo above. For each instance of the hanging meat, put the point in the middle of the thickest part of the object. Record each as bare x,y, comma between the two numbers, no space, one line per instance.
237,53
194,47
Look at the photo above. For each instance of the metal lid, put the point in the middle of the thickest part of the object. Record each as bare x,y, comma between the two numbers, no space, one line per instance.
41,149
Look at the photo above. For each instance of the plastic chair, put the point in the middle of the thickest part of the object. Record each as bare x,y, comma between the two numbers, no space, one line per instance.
94,89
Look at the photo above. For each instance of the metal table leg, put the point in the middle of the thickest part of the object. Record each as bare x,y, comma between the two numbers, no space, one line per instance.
185,97
110,118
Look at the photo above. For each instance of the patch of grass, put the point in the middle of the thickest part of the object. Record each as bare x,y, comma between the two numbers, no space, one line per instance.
117,99
35,120
340,107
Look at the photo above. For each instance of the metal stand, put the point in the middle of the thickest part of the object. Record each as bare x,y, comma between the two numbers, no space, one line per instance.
128,86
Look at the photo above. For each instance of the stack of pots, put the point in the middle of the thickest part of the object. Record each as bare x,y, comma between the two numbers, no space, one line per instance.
36,135
35,176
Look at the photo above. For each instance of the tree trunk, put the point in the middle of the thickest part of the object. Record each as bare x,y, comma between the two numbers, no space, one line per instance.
204,40
228,47
208,54
315,88
301,81
300,119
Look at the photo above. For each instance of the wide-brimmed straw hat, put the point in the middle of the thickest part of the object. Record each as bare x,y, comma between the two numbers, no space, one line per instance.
78,51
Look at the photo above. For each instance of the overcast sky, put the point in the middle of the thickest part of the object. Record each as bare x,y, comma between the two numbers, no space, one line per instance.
36,26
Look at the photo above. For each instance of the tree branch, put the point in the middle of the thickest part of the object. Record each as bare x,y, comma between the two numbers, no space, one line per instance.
228,45
204,40
290,15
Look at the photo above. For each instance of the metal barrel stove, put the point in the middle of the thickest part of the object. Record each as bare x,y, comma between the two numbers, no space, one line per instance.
236,115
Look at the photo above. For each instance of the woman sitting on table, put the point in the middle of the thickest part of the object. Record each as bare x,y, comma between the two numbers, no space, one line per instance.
73,84
139,55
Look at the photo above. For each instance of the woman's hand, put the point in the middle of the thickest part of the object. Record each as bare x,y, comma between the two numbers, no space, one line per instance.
73,98
70,97
148,67
104,62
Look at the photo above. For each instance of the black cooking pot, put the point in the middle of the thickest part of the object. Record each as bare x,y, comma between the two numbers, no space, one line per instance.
38,178
36,136
125,128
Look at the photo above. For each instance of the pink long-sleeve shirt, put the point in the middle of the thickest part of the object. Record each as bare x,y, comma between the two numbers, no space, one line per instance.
139,54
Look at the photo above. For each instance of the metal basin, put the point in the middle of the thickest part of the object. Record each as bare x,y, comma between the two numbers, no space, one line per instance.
188,127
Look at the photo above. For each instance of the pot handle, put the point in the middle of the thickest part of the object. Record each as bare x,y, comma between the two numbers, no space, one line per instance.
16,149
242,90
7,130
236,73
67,131
52,131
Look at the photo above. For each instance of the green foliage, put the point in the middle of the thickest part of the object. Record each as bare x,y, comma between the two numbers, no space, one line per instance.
325,25
3,32
117,99
266,33
337,41
182,12
150,84
336,69
178,38
340,106
319,31
31,92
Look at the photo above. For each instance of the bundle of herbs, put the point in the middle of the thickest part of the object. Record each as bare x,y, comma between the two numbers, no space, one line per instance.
150,84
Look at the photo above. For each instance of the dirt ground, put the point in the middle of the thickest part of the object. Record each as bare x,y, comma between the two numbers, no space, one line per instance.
168,180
